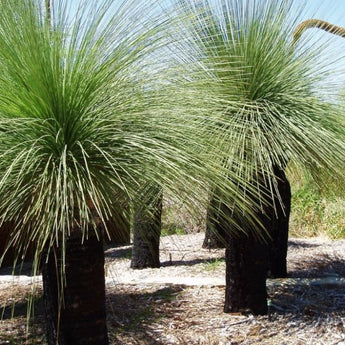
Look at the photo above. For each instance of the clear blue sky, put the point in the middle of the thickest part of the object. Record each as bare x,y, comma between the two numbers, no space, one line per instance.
330,10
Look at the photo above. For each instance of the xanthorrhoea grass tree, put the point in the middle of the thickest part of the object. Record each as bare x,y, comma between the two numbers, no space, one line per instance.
147,227
88,115
273,112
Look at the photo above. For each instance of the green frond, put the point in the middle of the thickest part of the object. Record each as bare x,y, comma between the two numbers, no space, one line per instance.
92,108
77,126
271,96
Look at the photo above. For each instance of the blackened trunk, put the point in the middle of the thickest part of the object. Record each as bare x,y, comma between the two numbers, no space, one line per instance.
246,272
13,254
147,224
5,237
77,317
249,259
247,256
215,234
119,231
279,230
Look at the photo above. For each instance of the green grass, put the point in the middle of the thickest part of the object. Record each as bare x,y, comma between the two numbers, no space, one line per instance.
172,229
317,211
213,264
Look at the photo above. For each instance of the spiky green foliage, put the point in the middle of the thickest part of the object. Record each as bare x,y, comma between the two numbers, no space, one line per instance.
89,113
270,94
78,129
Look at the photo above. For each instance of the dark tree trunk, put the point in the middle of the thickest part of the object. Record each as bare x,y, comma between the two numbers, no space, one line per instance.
246,272
13,254
248,259
119,231
280,227
147,224
215,234
78,317
5,236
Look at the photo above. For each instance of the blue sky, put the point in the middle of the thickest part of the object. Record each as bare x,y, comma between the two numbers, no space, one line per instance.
330,10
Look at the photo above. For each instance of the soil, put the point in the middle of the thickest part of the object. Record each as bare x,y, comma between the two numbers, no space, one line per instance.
182,302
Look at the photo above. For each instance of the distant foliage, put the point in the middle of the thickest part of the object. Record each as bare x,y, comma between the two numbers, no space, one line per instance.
316,210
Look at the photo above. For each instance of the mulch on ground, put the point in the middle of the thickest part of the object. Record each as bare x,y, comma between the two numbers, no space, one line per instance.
307,308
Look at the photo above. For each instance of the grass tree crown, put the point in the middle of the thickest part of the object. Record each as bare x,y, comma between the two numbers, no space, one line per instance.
88,114
270,95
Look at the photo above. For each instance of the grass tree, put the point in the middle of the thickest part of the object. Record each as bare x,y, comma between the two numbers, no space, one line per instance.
147,227
87,118
271,98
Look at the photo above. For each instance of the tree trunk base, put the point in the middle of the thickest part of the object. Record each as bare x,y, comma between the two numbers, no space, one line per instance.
147,225
215,235
77,316
280,228
246,272
212,241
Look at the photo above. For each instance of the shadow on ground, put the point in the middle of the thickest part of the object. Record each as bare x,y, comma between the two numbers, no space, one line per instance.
131,314
308,299
302,244
317,267
142,314
21,308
